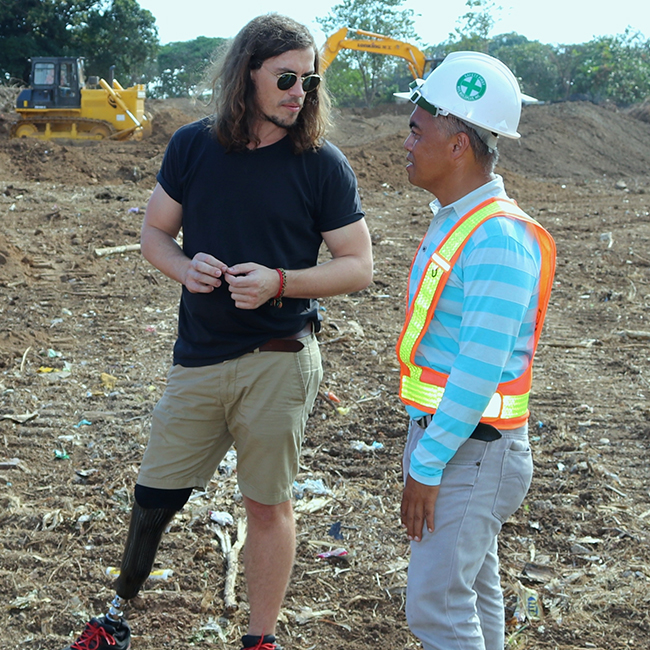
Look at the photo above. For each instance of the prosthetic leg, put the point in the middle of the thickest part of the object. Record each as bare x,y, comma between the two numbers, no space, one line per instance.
112,632
152,511
145,532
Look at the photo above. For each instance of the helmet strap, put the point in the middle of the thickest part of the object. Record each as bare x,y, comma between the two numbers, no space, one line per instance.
417,98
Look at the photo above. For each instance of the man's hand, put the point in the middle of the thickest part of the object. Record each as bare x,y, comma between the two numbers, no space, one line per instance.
204,273
418,506
251,284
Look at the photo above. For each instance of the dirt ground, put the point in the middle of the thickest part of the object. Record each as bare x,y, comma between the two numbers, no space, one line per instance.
85,343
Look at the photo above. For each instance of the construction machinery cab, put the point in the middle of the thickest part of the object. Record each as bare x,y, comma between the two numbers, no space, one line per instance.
60,104
55,82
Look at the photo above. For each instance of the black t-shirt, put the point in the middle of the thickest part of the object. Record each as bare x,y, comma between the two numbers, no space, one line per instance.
268,206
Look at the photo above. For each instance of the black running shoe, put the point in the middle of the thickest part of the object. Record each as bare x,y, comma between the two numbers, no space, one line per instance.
103,634
266,642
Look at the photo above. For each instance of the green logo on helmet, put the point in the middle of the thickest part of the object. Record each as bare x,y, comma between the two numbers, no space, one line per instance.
471,86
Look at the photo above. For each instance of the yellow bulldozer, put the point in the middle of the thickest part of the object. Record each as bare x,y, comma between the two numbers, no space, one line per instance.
60,103
416,60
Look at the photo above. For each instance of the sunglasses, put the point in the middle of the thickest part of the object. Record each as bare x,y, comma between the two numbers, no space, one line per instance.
288,80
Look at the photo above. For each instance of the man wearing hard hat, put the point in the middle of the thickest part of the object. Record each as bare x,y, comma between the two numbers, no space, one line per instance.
478,291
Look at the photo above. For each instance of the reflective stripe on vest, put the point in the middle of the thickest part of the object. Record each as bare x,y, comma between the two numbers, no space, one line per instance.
424,387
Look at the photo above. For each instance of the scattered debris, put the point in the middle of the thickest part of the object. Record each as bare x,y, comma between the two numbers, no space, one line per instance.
313,486
156,574
110,250
231,553
222,518
19,418
9,464
337,552
359,445
335,531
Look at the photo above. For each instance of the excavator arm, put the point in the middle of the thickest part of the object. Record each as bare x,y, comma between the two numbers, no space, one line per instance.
375,43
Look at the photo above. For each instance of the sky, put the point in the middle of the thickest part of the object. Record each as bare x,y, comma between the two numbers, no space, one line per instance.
548,21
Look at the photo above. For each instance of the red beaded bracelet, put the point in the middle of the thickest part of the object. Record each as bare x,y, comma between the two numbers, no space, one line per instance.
276,301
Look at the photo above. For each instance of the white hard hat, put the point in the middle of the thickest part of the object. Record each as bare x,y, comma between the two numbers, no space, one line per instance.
475,87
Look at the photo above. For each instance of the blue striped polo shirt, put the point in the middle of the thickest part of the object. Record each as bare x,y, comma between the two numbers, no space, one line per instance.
482,332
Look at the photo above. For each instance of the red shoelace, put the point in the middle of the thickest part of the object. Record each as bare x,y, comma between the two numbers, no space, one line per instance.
92,636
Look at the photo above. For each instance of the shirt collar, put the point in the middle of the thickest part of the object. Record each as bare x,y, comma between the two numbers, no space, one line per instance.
489,190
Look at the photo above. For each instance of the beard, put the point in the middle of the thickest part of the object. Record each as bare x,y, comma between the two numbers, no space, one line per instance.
283,123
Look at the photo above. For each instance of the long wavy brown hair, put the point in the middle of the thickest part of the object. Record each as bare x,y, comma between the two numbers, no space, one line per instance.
233,89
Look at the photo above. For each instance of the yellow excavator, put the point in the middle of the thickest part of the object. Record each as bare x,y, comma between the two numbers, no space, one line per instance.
59,103
417,62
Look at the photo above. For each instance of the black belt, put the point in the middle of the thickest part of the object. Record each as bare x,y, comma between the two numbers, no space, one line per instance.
288,343
483,431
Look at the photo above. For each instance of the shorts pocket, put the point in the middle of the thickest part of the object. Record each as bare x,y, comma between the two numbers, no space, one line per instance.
516,475
309,369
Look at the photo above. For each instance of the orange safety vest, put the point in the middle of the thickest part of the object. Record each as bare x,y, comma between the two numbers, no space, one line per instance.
423,387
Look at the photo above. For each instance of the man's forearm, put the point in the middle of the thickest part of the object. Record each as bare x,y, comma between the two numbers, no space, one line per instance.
162,251
337,276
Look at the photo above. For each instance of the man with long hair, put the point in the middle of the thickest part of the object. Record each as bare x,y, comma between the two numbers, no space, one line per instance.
255,189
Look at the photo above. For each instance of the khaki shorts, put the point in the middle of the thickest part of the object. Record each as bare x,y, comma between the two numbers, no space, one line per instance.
259,402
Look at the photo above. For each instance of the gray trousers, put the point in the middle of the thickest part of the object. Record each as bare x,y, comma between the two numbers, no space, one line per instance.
454,599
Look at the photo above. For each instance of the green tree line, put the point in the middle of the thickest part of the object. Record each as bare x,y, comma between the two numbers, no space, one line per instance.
615,68
122,34
118,33
105,33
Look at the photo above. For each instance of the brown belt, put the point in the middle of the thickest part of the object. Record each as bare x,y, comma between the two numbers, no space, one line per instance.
287,343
